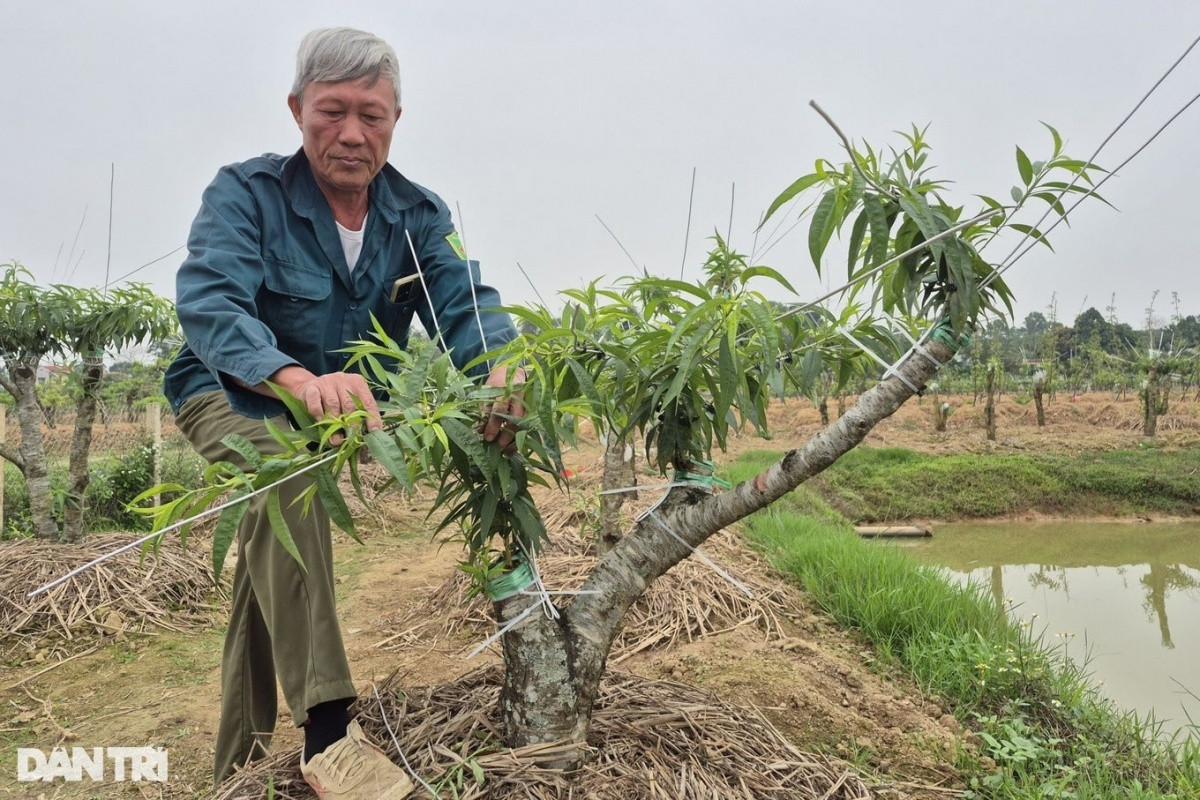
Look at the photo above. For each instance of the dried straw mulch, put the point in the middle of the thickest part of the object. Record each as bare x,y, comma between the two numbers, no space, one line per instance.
649,739
689,602
172,590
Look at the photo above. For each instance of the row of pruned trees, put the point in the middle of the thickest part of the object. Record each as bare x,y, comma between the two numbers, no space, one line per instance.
82,326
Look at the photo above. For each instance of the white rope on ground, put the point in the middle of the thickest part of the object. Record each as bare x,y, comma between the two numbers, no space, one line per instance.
408,766
156,534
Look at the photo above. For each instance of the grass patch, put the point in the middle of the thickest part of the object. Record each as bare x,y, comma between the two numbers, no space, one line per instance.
1039,719
895,484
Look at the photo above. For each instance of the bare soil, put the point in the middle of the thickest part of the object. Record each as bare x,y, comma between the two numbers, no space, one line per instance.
818,684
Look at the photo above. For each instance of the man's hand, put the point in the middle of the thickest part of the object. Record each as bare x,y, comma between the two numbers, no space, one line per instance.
328,395
500,417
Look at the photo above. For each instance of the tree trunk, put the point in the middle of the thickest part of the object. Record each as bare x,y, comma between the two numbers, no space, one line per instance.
989,408
619,473
32,452
78,476
1150,395
823,408
1039,391
841,405
554,666
940,413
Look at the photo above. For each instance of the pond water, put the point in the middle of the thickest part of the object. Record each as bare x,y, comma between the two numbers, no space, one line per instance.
1126,596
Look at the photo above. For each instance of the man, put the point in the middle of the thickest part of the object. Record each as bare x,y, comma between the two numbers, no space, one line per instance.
288,259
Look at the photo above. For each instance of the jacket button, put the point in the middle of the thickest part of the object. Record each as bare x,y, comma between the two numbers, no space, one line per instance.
353,306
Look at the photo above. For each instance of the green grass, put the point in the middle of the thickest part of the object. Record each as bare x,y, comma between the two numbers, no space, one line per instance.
1039,718
895,484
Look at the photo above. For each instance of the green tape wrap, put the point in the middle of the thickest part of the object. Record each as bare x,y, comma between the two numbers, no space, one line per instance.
945,334
509,583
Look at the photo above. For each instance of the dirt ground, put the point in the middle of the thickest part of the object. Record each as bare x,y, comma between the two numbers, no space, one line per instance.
819,685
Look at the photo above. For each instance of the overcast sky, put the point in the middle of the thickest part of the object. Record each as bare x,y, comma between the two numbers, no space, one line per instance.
535,117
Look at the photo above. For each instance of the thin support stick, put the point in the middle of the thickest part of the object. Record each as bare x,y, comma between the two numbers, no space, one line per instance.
618,241
729,229
471,280
425,289
532,285
112,179
687,231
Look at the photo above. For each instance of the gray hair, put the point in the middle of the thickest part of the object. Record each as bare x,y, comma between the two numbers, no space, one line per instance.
333,55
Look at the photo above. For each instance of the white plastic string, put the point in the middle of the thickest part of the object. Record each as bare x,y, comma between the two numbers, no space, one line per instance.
425,288
408,766
207,512
889,369
653,515
917,343
508,626
539,587
646,487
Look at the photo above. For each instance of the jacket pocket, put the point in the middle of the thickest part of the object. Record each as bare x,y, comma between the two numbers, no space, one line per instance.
294,303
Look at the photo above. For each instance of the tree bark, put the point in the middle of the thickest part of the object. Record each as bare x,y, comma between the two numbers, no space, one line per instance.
32,452
1150,396
1039,391
554,666
989,408
78,476
619,473
823,409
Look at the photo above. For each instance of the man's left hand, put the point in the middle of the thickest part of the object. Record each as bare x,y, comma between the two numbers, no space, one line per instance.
500,417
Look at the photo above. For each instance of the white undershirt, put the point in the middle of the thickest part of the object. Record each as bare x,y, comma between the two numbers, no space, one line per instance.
351,243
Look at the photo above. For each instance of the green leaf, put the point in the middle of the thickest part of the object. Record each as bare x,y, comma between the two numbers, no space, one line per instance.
728,378
245,448
877,217
280,528
857,233
468,441
226,532
790,192
821,228
299,410
385,450
1024,167
1029,230
766,272
334,503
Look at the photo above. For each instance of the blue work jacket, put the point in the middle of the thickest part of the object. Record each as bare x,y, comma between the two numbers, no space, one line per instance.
265,284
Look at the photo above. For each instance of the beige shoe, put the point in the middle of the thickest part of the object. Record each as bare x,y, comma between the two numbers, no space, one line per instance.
354,769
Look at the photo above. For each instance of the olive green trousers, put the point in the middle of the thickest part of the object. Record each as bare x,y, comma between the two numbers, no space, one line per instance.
283,622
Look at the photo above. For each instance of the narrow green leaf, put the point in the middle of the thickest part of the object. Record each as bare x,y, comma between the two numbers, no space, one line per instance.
468,441
857,233
1029,230
385,450
790,192
335,505
766,272
245,448
299,411
225,533
880,230
821,227
1024,167
280,528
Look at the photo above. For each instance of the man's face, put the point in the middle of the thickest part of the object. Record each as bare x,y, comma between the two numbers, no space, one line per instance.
347,129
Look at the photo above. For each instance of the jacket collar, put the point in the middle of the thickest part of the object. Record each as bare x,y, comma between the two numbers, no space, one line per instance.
390,192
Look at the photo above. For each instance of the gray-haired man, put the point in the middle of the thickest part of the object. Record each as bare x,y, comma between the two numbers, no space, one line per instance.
289,258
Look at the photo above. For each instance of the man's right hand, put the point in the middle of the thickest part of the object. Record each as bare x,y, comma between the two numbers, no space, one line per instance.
328,395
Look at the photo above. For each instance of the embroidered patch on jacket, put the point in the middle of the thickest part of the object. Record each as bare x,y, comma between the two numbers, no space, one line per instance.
456,245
